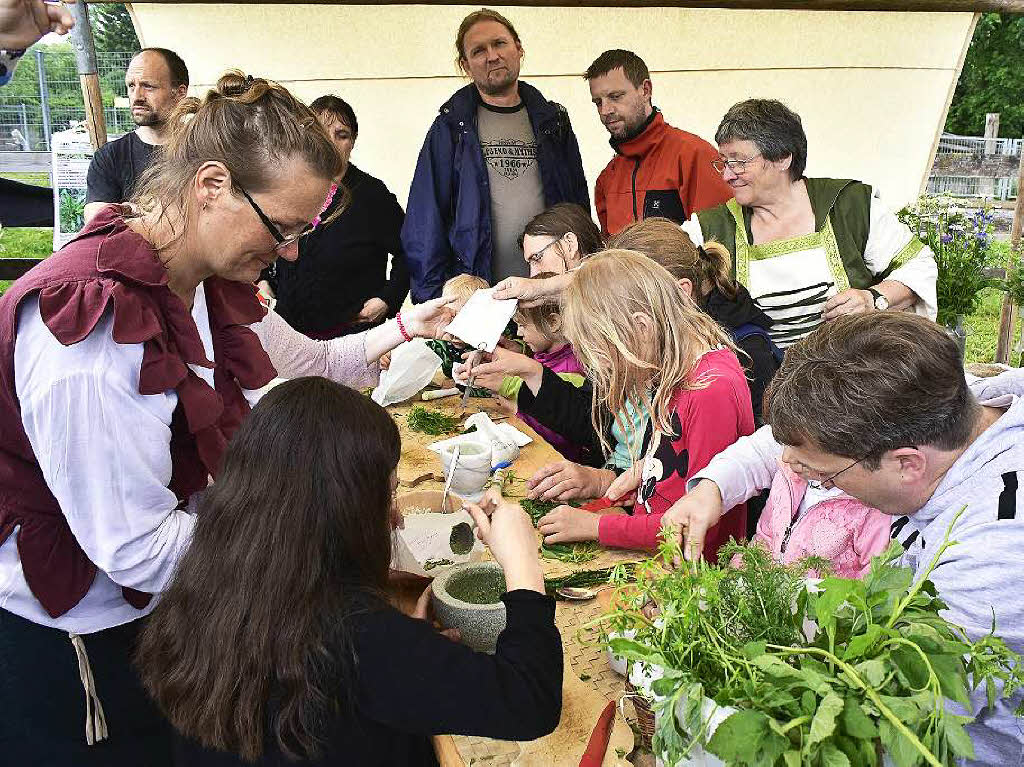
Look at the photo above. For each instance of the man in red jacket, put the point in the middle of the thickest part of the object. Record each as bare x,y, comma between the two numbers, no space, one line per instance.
657,170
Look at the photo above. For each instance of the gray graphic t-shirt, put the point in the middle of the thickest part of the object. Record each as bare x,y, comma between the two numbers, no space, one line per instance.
517,195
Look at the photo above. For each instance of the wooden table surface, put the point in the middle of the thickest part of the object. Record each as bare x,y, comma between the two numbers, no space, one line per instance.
420,476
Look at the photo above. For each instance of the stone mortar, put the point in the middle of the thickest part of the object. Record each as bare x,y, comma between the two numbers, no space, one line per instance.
478,624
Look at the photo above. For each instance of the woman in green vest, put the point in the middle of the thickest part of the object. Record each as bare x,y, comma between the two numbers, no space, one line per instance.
807,249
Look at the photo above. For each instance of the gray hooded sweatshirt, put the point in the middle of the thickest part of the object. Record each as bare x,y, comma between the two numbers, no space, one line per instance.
985,571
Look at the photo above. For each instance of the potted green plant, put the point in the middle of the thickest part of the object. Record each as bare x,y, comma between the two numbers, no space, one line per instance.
961,243
753,666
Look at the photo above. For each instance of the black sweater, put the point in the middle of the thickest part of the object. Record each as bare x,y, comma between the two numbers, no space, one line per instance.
411,683
344,263
565,409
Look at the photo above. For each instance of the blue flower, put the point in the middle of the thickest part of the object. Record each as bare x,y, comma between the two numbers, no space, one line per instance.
947,238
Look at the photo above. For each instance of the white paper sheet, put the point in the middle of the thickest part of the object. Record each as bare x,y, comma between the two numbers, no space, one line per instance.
483,319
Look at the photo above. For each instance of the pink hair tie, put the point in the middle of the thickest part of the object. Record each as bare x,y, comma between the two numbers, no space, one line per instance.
327,204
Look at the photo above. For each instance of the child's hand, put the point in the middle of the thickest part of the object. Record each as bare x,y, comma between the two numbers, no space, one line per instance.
385,361
626,483
565,480
566,524
692,515
508,532
484,374
507,406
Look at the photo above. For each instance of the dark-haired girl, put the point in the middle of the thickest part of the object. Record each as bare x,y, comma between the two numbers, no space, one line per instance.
274,641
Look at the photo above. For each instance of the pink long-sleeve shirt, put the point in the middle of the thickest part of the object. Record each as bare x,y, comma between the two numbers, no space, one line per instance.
705,421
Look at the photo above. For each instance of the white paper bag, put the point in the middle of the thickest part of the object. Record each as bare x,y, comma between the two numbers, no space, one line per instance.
424,545
413,366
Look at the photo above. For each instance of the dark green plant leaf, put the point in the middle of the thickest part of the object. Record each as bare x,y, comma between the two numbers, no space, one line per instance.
860,645
746,738
833,757
856,722
899,749
911,665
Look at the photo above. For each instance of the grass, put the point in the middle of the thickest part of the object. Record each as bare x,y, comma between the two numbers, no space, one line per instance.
25,242
983,329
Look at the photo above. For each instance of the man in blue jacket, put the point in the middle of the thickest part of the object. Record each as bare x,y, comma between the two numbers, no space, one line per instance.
497,155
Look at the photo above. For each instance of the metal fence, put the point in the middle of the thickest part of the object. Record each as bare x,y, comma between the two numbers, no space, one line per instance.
45,97
973,166
1004,188
952,144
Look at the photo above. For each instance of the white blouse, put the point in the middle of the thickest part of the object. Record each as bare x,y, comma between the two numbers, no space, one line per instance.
104,451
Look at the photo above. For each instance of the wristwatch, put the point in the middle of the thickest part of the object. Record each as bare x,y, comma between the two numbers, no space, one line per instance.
880,301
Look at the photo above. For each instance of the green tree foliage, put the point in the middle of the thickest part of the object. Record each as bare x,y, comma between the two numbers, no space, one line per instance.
112,28
992,79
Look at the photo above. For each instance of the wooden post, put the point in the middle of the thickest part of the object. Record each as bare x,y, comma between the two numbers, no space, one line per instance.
991,132
1008,315
987,184
85,59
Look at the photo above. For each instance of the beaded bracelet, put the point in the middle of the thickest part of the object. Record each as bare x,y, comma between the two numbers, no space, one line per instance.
401,327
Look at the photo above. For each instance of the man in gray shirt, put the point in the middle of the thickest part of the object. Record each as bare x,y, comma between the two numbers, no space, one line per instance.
510,151
496,155
877,405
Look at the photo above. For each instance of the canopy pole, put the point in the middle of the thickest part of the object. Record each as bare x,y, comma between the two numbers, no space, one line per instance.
88,77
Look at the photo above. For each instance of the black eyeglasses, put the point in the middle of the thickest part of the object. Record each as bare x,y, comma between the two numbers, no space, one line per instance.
282,241
819,484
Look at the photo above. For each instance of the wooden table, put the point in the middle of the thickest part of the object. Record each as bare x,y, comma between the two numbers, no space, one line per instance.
420,470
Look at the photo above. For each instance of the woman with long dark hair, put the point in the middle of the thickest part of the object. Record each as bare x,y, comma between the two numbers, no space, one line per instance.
275,641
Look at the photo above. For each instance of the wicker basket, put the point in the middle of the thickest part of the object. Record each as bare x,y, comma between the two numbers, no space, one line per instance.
644,716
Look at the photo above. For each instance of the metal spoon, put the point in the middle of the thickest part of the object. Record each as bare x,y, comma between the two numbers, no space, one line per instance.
462,538
576,594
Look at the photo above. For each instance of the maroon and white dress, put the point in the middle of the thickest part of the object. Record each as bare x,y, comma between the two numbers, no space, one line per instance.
116,404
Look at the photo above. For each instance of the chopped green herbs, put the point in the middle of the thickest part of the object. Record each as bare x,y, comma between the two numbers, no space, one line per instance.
431,422
622,573
430,564
478,587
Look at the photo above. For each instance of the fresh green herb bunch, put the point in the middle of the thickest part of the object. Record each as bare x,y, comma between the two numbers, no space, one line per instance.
623,573
570,553
431,422
875,676
536,509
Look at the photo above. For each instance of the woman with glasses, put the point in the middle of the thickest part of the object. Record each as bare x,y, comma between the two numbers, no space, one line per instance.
127,362
559,238
808,249
341,284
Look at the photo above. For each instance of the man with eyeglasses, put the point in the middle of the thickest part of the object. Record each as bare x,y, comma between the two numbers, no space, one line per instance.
877,408
657,170
497,155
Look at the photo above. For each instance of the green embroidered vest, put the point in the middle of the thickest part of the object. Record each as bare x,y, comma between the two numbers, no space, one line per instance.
842,215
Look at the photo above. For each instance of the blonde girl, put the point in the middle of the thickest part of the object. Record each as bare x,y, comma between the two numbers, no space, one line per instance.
646,345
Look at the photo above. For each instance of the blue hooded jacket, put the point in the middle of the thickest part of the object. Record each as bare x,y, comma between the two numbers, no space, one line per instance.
447,229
